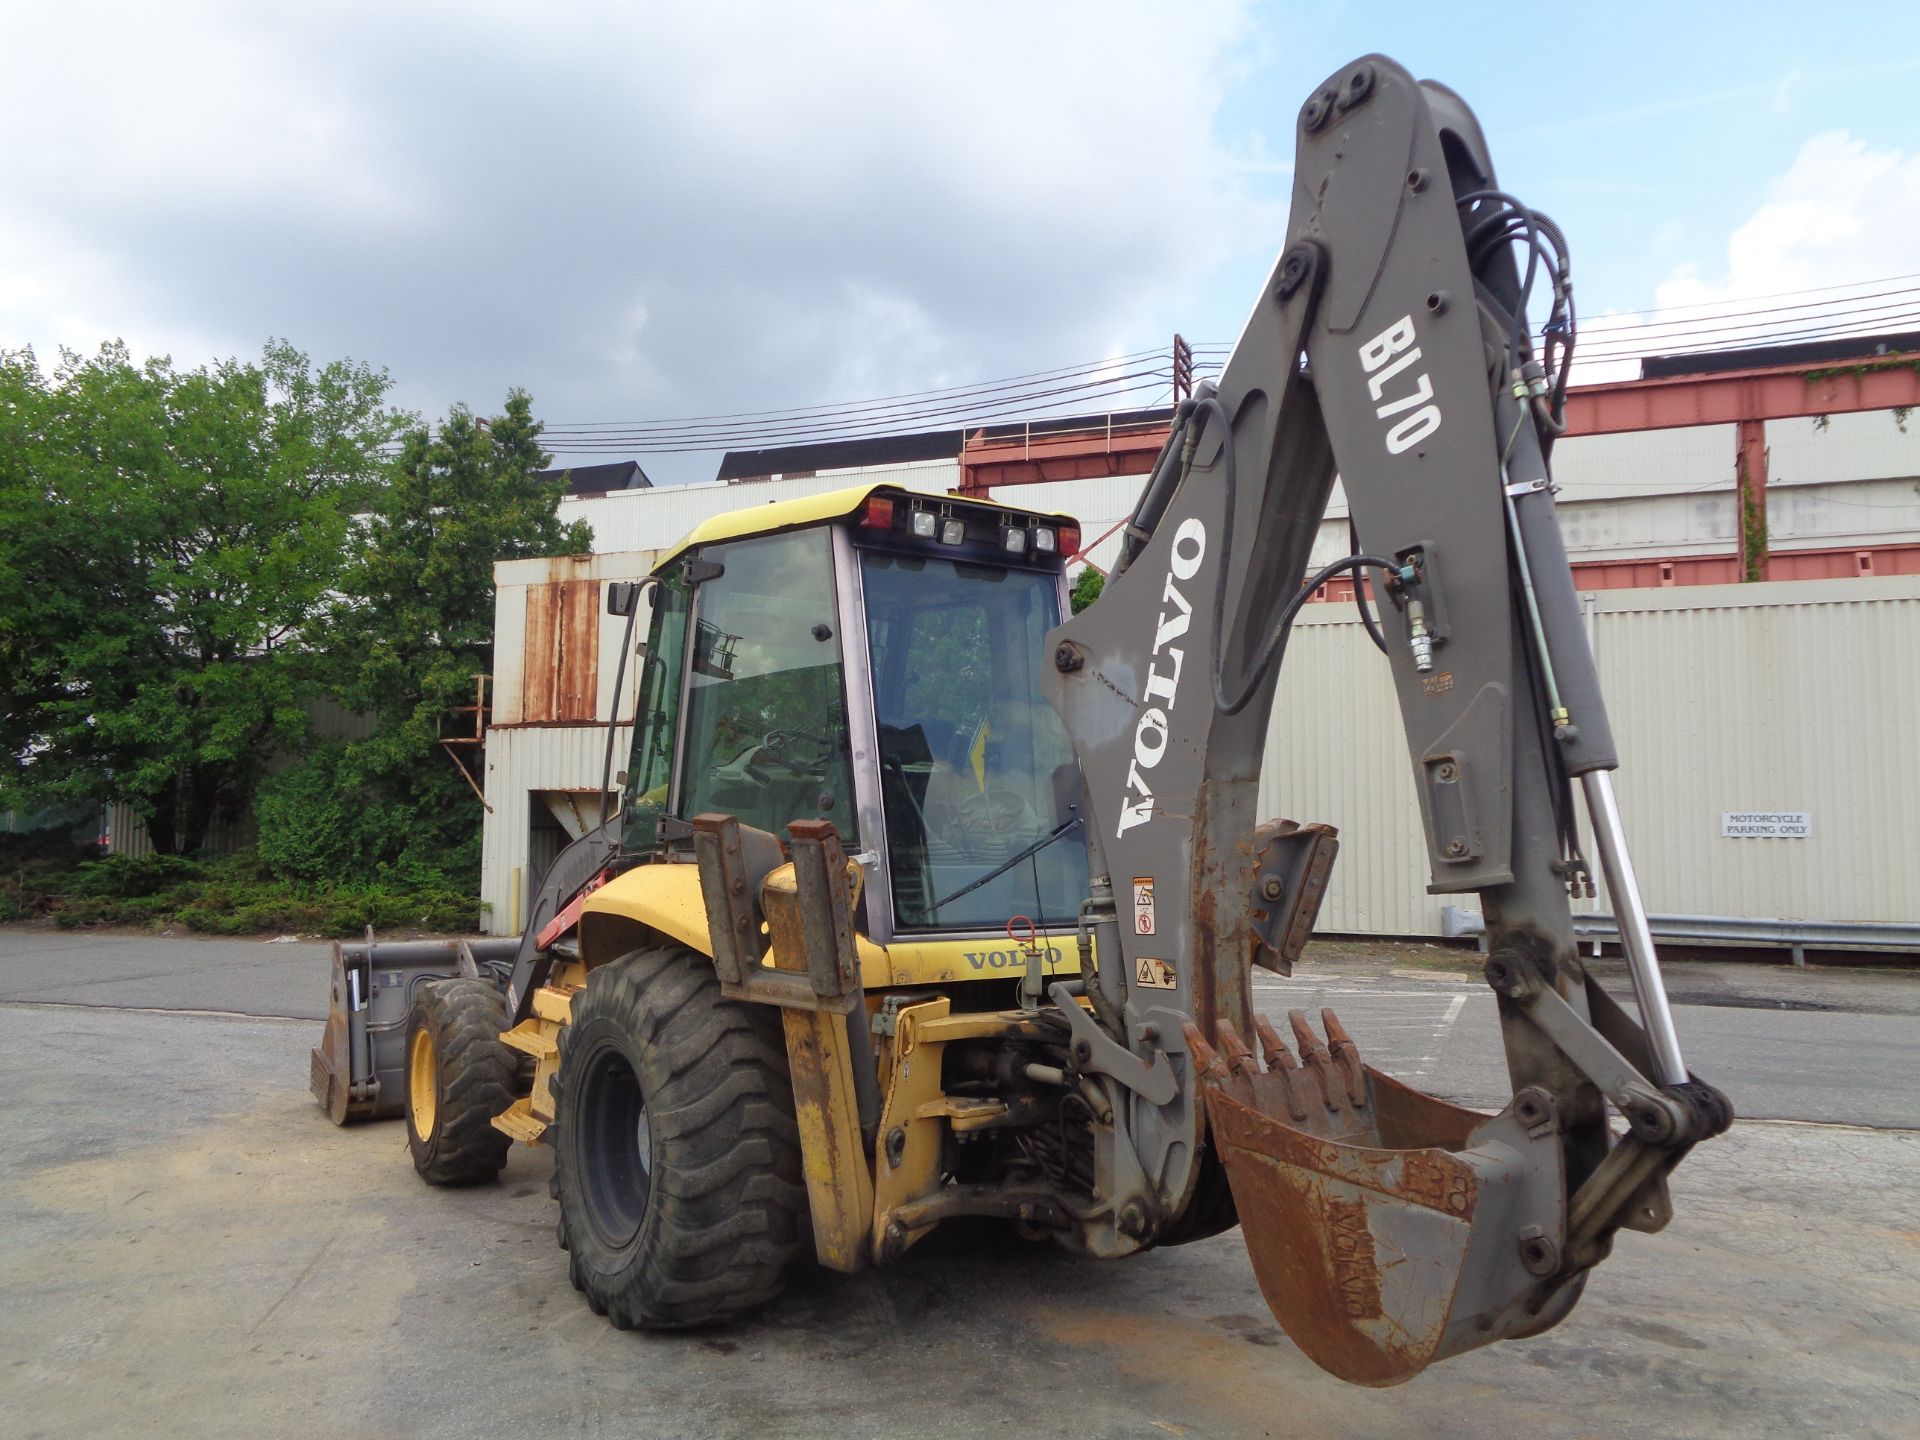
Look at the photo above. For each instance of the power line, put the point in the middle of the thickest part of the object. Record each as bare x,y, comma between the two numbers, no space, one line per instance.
1777,295
1090,367
1599,322
856,421
1041,394
1748,333
1151,383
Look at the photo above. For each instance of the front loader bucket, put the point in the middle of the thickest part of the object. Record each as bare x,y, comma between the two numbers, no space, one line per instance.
354,1072
1387,1229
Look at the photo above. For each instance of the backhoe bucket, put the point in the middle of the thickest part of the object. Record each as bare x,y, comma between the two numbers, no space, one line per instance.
1387,1229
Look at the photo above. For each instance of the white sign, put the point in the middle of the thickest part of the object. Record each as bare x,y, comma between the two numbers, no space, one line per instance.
1766,824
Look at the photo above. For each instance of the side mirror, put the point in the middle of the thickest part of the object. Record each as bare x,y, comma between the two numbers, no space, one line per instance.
624,597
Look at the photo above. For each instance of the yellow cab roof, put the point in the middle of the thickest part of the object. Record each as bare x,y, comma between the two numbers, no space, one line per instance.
777,515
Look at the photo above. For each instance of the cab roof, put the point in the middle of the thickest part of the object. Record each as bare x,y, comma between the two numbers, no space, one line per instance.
778,515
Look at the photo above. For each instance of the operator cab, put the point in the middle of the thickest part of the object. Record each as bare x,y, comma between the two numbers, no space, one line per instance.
872,658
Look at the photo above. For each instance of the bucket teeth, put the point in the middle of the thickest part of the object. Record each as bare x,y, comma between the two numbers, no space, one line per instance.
1206,1063
1239,1058
1272,1046
1346,1057
1314,1055
1327,1080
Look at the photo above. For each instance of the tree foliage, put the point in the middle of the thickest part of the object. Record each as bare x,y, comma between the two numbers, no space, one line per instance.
417,625
191,561
1086,588
171,544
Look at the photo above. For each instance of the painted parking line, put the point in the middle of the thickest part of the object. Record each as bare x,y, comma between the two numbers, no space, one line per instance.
1401,1031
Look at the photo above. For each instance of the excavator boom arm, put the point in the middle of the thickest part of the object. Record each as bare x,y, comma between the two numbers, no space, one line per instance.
1392,345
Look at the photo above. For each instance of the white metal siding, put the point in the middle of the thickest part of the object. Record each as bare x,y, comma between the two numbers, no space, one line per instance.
1790,696
1867,446
1098,504
1334,753
1786,696
521,761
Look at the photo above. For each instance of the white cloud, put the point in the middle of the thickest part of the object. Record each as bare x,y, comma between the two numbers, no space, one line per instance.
1840,218
1841,214
634,211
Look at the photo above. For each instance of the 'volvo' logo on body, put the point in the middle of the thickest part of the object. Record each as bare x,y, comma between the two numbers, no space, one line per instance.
1163,674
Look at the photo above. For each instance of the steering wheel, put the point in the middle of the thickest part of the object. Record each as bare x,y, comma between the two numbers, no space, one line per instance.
775,744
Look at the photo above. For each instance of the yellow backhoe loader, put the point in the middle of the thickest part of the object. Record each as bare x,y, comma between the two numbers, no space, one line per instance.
925,899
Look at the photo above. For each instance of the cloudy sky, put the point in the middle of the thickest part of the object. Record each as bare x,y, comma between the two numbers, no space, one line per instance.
643,211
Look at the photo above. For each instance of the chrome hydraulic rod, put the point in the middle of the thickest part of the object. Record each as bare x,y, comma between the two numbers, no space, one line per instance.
1636,937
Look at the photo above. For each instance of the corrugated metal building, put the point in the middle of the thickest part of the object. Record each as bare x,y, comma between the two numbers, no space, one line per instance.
556,655
1781,695
1786,696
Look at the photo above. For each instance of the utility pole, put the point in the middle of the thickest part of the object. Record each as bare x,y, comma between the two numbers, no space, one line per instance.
1182,369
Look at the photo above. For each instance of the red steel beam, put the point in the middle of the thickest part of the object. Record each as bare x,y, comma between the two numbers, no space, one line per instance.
1785,392
1750,496
1030,459
1888,382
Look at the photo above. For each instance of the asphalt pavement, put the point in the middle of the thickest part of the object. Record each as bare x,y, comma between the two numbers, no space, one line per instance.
188,1248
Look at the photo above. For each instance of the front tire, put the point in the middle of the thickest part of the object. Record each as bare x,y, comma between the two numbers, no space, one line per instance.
459,1076
676,1153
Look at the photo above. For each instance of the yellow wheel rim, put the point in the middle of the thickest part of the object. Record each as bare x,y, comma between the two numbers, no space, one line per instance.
422,1083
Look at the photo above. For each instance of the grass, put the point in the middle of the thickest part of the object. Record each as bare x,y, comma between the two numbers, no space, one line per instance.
230,895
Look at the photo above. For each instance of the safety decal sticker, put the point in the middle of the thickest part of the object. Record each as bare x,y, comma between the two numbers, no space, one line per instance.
1154,974
1143,905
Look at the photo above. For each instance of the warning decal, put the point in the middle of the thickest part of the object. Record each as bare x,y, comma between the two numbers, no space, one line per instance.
1143,905
1154,974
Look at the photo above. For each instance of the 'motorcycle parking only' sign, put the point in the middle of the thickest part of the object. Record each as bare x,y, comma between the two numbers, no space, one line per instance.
1766,824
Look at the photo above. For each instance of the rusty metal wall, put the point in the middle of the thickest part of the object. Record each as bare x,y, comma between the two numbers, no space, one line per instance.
556,651
555,648
561,652
1791,696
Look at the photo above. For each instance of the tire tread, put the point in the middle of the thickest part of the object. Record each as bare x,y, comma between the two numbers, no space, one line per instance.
727,1209
478,1079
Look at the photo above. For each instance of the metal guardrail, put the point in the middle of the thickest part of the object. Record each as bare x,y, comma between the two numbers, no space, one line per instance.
1799,936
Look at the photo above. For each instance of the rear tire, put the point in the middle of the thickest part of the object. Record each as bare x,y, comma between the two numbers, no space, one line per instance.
459,1076
676,1153
1210,1212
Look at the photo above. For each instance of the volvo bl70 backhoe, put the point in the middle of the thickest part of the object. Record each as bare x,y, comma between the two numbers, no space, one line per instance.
926,899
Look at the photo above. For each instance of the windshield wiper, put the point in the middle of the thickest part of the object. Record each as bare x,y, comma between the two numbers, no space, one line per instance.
994,874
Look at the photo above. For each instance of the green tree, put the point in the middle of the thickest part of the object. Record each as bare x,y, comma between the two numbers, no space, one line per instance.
418,623
170,546
1086,588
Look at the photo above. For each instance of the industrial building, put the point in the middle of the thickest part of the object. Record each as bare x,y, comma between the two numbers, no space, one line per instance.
1789,696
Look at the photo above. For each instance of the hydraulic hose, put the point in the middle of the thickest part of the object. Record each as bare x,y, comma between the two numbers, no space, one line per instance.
1360,596
1209,405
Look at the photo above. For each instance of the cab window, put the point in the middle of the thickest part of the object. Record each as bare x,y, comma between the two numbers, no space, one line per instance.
978,779
766,733
650,765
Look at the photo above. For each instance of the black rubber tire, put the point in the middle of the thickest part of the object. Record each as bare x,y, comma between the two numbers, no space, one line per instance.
1210,1212
676,1154
476,1077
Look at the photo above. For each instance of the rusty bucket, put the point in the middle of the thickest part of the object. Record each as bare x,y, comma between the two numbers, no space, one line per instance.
1387,1229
